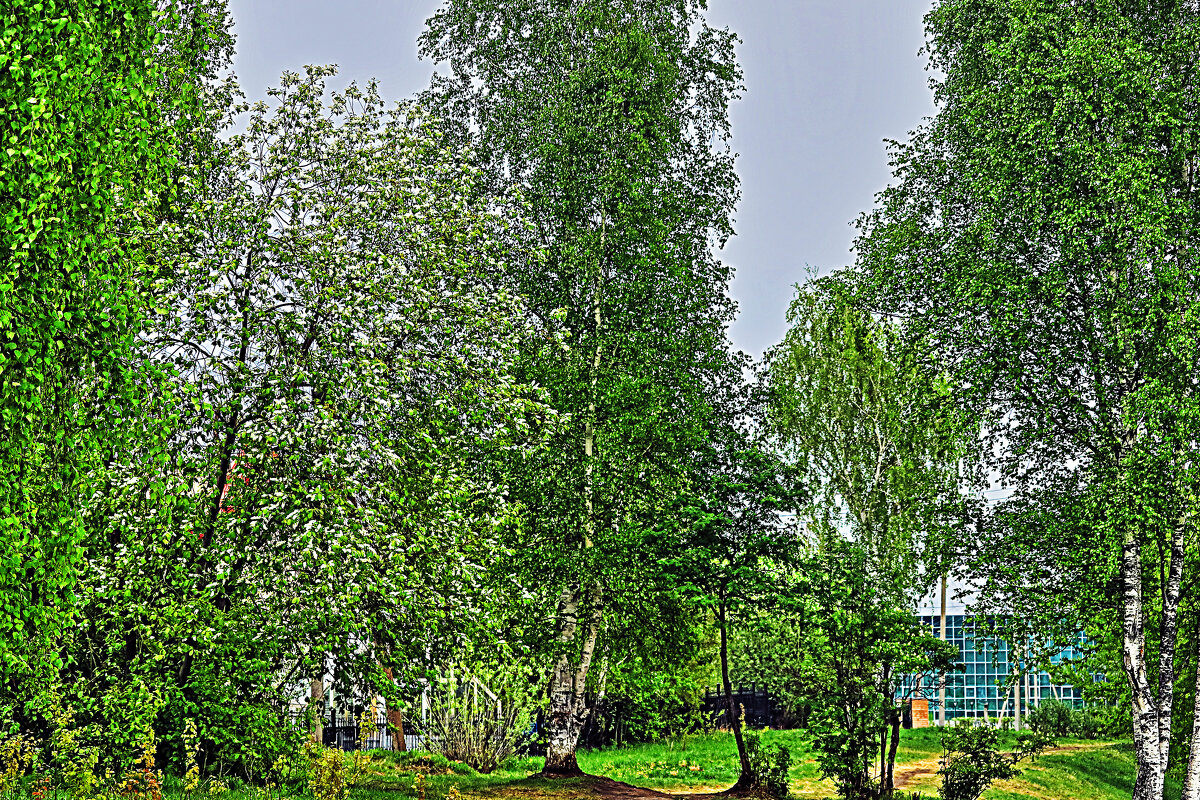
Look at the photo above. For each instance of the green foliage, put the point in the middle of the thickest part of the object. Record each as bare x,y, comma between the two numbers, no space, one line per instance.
652,699
481,714
612,119
83,169
1051,718
972,759
770,765
336,377
1040,235
1057,720
861,652
327,774
859,406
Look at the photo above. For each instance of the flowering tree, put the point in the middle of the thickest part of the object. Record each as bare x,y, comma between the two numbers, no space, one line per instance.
337,352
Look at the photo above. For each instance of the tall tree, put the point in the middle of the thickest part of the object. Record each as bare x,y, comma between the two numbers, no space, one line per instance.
611,117
338,346
1042,233
864,413
735,553
86,90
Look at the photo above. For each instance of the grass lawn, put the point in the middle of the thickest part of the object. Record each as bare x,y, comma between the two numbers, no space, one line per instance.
708,763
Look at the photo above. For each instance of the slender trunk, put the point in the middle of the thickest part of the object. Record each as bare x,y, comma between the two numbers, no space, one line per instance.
1017,694
395,717
316,702
883,751
745,775
890,785
941,718
1191,780
568,703
1168,637
1148,784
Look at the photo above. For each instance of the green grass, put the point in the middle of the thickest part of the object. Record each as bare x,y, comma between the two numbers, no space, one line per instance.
702,760
1104,773
708,763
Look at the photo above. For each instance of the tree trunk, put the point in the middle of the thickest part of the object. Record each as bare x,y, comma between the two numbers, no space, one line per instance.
746,780
1149,782
568,703
1191,780
316,702
1168,637
890,784
1017,694
395,717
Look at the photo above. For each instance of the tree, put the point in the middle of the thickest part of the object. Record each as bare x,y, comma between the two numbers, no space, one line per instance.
971,759
1041,233
863,653
338,350
611,118
735,554
863,413
82,167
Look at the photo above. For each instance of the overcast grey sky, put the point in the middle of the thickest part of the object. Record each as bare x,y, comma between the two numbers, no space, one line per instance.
827,81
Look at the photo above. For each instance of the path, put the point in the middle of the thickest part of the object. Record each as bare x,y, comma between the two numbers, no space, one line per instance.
916,771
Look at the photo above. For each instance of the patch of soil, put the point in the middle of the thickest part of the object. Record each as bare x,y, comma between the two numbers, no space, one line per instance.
591,787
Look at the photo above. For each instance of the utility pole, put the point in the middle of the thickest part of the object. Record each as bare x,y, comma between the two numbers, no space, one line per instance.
1017,689
942,682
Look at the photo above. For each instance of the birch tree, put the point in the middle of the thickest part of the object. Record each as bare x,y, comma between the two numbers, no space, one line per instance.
1041,231
611,118
87,158
866,417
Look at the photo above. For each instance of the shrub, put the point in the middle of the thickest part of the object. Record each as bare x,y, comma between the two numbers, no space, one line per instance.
770,765
480,722
326,773
1056,719
972,759
1051,718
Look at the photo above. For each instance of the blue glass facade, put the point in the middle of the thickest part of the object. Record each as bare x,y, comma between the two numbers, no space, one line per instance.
977,690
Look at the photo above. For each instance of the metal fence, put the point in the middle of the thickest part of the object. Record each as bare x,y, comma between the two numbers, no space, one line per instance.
344,730
606,725
762,710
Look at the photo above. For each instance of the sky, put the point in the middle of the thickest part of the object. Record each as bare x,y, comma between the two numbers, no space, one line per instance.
827,82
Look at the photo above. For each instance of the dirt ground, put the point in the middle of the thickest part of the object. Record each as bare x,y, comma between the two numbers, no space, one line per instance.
591,787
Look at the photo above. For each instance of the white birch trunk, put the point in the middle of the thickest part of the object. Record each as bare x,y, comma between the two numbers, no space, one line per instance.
568,701
1191,780
1149,782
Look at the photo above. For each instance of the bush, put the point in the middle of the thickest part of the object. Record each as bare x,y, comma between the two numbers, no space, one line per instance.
1051,718
1058,720
972,759
480,722
770,766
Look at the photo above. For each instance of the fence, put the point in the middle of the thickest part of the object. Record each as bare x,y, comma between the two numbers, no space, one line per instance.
606,725
761,708
344,731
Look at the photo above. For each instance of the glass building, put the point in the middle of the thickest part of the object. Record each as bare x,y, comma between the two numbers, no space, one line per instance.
985,687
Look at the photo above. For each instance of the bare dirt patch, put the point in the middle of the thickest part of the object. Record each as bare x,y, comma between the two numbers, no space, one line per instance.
594,787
